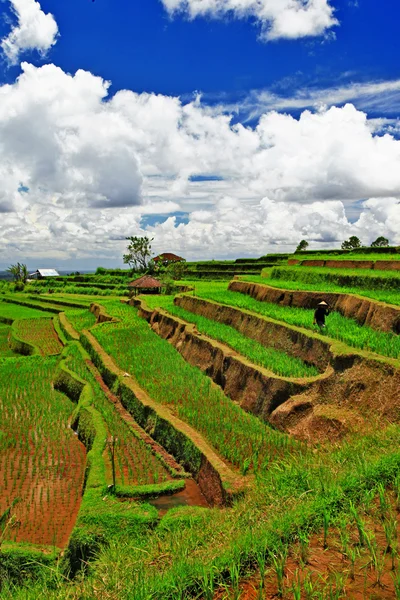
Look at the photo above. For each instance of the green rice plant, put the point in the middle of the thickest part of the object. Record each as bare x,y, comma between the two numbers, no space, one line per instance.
278,560
40,333
304,542
390,530
135,463
80,318
40,457
338,327
362,534
326,518
396,582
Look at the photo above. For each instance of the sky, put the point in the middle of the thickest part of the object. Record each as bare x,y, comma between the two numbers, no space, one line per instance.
218,128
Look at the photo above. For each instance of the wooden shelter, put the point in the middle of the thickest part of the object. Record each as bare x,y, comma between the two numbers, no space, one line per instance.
146,284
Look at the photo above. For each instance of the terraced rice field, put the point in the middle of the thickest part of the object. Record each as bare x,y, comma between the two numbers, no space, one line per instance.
41,460
317,521
387,296
15,311
40,333
267,357
243,440
338,327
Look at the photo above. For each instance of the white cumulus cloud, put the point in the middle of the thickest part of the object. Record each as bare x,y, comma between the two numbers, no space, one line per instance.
35,30
289,19
80,169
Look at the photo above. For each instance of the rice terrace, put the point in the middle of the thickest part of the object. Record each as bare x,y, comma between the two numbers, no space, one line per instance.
209,441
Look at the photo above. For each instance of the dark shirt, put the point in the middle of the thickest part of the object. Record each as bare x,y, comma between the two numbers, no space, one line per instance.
320,314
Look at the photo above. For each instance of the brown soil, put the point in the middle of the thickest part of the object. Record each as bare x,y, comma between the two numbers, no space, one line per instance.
341,567
48,488
189,496
377,315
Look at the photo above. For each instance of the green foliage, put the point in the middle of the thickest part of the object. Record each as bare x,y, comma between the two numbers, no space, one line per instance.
19,273
353,243
380,242
139,253
302,246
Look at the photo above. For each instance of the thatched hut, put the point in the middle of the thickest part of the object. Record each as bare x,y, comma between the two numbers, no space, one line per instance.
146,284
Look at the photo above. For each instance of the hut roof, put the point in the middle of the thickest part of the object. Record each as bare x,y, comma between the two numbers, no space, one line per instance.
146,282
167,256
46,273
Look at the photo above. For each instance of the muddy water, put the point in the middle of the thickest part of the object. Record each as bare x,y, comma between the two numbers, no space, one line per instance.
189,496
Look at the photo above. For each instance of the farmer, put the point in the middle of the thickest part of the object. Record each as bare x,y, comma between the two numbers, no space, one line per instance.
321,312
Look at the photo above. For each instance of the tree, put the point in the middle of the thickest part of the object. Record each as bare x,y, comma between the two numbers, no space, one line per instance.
19,272
380,242
352,243
303,245
139,253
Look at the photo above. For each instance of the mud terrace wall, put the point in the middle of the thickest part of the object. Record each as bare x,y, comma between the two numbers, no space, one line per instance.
377,315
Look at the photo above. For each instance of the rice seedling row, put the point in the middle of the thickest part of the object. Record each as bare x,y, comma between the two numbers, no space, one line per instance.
40,333
239,437
41,460
135,463
338,327
267,357
5,349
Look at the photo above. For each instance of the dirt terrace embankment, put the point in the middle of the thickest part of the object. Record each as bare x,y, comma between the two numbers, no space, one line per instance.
377,315
355,388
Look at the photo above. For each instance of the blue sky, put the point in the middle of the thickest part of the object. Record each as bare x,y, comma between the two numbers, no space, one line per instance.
200,185
138,46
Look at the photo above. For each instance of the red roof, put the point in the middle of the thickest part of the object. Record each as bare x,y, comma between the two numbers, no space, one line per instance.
146,282
168,256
